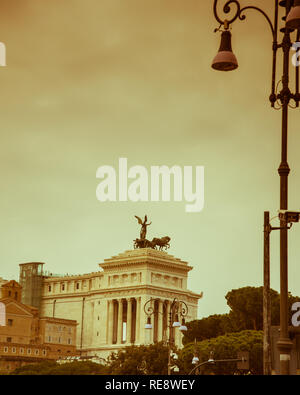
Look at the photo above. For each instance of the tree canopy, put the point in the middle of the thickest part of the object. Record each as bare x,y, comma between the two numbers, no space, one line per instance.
224,347
136,360
53,368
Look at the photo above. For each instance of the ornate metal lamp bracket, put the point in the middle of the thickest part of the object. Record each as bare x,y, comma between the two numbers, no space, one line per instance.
239,13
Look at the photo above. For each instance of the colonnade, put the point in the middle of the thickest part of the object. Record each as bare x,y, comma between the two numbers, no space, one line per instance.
127,319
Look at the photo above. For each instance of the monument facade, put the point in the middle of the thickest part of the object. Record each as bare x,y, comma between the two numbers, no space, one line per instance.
108,305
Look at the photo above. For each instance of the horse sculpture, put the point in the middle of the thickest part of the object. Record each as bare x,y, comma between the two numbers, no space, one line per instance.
161,243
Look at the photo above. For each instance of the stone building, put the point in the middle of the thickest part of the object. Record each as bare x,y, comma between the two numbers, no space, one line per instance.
10,289
108,305
26,337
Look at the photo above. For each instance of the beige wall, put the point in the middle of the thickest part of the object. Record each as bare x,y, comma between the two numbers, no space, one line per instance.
23,326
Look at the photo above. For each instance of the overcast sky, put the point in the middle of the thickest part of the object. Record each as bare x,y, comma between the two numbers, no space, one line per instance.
90,81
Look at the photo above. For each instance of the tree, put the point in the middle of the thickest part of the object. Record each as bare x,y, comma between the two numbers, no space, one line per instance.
135,360
212,326
225,347
53,368
246,306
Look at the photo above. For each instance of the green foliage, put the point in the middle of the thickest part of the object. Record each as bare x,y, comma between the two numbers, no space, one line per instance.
53,368
212,326
246,306
246,313
224,347
136,360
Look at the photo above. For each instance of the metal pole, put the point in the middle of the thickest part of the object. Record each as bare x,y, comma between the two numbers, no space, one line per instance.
266,297
170,338
284,343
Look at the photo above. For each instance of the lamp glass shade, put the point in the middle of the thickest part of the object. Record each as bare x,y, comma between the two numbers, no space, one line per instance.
148,325
195,360
225,59
293,17
183,328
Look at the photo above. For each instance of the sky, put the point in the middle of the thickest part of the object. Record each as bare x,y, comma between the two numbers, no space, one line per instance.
90,81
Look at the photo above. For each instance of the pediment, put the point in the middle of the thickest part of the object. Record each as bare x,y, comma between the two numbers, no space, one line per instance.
13,307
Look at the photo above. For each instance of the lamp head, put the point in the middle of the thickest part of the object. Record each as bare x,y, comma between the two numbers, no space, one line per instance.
176,322
195,360
183,327
293,17
148,325
225,59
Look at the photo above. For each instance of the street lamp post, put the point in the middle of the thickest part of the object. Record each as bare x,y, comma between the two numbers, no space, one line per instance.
178,310
225,61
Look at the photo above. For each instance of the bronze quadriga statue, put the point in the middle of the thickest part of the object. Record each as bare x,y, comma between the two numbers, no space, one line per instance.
156,243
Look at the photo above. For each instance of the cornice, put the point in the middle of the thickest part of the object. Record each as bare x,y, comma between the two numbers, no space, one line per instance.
128,291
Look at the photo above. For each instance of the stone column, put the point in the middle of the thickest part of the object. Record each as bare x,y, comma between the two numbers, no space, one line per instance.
110,322
137,323
160,321
168,332
129,320
120,322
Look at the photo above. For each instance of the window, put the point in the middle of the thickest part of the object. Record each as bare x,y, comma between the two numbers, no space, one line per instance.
63,287
44,352
21,350
28,351
49,288
13,349
8,339
16,295
9,293
59,340
9,322
5,349
69,341
77,285
37,352
49,338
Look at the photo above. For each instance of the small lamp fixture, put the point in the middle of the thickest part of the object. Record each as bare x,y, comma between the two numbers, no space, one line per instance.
211,357
176,323
148,325
225,59
293,17
183,327
173,355
195,360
